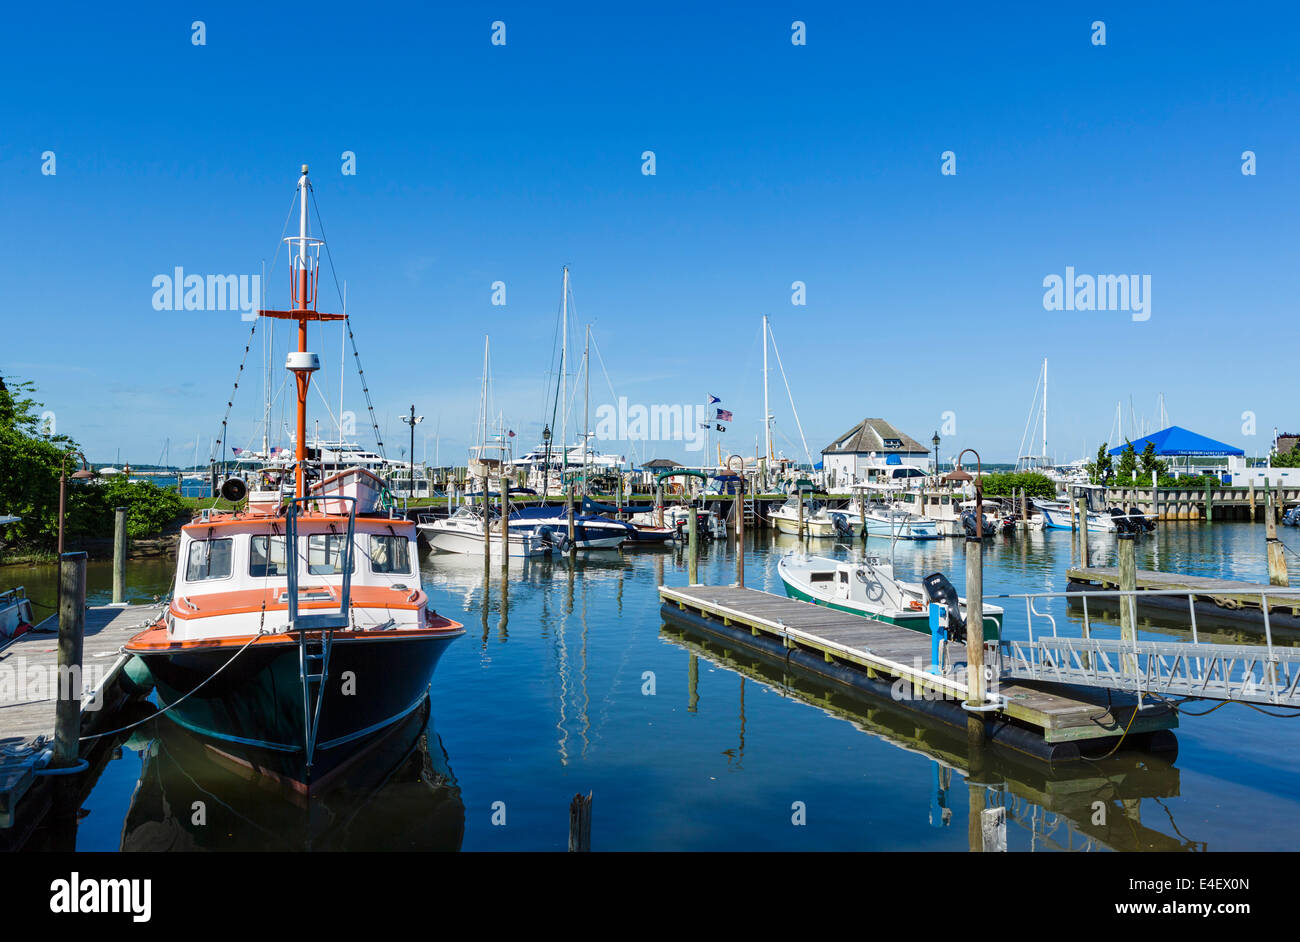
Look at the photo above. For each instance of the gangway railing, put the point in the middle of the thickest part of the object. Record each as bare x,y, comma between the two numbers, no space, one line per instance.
1249,673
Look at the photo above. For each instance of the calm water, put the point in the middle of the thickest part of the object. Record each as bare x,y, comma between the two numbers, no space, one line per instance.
550,694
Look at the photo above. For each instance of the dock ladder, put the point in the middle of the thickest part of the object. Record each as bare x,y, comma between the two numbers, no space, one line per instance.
315,631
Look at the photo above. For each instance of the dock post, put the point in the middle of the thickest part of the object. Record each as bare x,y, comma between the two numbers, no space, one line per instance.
801,534
975,622
487,527
505,531
1083,532
740,532
1253,518
568,507
72,629
119,556
693,543
1128,603
580,823
693,684
1209,504
1277,574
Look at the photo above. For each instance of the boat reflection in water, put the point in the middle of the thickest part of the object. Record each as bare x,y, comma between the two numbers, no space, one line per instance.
1080,805
401,795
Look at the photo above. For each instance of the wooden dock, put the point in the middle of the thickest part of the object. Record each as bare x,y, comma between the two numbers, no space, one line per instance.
1226,599
892,662
29,687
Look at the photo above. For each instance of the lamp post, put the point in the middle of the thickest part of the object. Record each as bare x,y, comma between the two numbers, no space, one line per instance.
935,441
412,420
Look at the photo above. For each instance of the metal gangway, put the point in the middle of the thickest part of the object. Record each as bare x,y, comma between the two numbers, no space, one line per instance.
1249,673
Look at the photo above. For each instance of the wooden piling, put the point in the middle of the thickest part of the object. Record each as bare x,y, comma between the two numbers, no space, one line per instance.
975,621
1253,518
72,628
693,544
1209,504
801,530
568,504
487,525
119,556
1083,531
505,531
1127,604
1277,573
740,531
580,823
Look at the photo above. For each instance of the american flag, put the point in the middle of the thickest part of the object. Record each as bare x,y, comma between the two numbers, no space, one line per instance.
724,415
236,450
512,433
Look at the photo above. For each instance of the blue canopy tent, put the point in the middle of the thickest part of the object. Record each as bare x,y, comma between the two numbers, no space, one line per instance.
1178,442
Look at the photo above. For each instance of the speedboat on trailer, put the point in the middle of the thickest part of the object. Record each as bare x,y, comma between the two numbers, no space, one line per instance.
298,634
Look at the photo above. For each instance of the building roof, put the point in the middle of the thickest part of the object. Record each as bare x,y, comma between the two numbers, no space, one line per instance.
1177,441
657,463
875,435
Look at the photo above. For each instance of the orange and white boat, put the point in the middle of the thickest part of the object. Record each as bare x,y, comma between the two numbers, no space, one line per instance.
298,632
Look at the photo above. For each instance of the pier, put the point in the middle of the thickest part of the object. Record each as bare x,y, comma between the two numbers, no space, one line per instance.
30,669
897,664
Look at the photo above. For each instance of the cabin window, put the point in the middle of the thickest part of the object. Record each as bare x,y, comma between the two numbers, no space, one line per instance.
844,576
209,559
390,554
325,554
267,557
821,577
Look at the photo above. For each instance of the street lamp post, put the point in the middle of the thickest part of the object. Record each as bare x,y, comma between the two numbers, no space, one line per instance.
412,420
935,440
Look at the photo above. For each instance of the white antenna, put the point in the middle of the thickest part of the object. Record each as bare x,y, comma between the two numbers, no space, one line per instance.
564,380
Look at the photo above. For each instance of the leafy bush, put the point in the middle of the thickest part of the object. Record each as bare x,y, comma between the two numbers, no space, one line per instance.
1009,483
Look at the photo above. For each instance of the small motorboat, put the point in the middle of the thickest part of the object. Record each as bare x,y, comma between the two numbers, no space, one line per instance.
463,532
868,587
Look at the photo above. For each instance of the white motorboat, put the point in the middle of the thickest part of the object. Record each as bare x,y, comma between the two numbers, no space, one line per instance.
867,587
463,532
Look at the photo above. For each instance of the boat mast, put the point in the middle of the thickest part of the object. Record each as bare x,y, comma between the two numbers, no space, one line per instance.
304,279
564,379
1045,461
586,407
767,412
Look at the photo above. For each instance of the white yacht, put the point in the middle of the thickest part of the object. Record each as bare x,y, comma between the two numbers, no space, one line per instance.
462,532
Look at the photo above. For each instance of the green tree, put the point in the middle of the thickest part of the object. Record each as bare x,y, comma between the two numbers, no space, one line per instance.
1149,462
1009,483
1127,462
1101,469
30,461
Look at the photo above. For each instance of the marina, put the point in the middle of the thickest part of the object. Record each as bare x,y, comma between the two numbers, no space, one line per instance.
678,431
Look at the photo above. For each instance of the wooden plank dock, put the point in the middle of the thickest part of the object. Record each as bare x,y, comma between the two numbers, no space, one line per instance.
864,653
29,687
1227,599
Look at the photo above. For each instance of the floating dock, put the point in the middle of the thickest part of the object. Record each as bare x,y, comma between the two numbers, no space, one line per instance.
29,688
893,663
1221,599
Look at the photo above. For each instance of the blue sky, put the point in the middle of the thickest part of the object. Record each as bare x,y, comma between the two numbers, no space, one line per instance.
775,163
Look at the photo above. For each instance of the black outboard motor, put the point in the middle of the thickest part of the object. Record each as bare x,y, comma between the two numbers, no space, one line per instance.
1124,524
939,589
551,537
841,524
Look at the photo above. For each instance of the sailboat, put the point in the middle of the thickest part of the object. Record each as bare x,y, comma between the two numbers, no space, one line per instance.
298,633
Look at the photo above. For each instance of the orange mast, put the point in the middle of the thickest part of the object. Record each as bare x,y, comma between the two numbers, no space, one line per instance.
304,282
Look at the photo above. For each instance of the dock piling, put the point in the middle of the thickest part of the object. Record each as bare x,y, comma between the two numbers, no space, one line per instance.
72,629
1277,574
975,621
505,530
693,544
119,556
487,526
1128,604
580,823
1083,532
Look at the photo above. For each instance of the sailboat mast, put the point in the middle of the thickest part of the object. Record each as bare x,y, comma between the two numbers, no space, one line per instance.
767,412
564,379
1045,461
586,407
